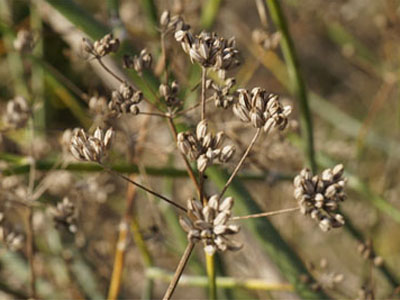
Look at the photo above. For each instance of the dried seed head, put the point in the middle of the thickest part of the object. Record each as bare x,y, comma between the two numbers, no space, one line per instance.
125,100
106,45
319,196
223,97
90,148
17,113
24,41
169,93
204,146
170,23
261,109
209,50
367,252
138,62
64,214
98,107
209,224
269,41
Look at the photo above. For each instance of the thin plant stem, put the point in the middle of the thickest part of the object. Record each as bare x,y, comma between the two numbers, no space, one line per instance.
119,258
266,214
239,165
297,84
211,274
109,70
164,57
203,92
154,114
193,107
179,271
144,188
187,164
224,282
30,254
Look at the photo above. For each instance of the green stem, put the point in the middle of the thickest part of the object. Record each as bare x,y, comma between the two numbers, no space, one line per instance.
20,165
212,284
297,84
223,282
209,13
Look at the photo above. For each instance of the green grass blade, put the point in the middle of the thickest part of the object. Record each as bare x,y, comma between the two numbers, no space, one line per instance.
83,20
297,85
209,13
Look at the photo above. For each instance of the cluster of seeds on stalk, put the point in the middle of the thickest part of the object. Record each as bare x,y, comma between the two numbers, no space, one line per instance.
169,93
100,48
170,23
98,106
367,252
204,147
138,62
261,109
269,41
125,100
222,95
17,113
209,50
12,240
64,214
319,196
24,42
209,223
90,148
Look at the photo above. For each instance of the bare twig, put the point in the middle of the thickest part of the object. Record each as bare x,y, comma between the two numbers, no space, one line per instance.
203,92
266,214
109,70
179,271
239,165
193,107
144,188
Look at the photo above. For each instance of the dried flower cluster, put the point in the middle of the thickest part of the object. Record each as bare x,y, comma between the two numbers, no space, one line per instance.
204,146
125,100
171,24
98,106
64,214
269,41
319,196
208,223
221,94
209,50
170,94
106,45
24,41
90,148
367,252
261,109
17,113
138,62
11,240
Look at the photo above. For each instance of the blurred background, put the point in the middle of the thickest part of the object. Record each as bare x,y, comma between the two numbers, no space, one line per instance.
349,57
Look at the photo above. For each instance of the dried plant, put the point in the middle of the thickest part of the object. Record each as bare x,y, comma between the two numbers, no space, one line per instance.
160,95
319,196
208,223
